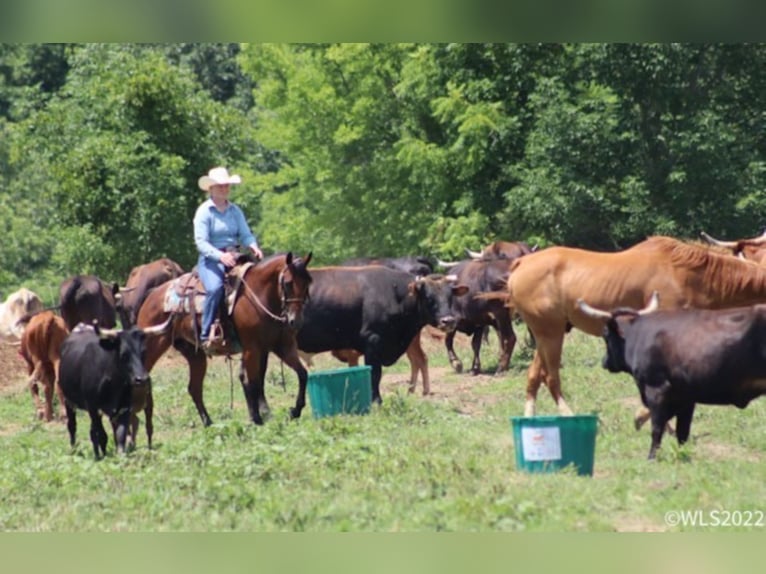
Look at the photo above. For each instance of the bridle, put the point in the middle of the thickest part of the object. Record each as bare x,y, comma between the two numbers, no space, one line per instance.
284,299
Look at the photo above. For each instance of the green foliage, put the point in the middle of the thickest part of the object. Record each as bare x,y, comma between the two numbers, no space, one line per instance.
123,143
370,149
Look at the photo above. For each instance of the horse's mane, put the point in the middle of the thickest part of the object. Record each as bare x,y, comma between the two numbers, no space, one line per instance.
721,272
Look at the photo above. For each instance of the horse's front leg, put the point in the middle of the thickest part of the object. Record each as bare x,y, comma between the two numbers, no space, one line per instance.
289,354
252,377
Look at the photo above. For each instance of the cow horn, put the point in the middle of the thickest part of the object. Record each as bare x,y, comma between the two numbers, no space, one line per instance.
717,242
105,333
447,264
652,306
592,311
473,254
758,240
452,277
158,329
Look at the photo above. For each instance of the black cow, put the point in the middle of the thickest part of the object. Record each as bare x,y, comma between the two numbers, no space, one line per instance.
102,371
141,281
85,298
679,358
474,315
416,265
374,310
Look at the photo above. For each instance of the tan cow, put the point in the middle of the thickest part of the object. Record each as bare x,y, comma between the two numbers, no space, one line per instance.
17,305
41,349
544,288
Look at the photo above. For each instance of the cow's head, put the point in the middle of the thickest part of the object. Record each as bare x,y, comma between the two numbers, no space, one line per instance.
434,294
617,322
130,348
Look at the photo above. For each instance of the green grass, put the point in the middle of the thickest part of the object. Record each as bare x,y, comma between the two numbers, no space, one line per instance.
444,463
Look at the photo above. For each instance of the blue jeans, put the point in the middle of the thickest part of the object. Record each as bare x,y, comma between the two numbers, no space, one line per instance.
211,273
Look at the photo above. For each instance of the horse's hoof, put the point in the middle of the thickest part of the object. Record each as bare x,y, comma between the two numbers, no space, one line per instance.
295,413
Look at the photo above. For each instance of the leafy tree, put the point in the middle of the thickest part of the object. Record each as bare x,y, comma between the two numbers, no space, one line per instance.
123,144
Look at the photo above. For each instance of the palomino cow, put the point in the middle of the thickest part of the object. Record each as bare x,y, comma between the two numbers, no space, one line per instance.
19,304
544,288
683,357
41,350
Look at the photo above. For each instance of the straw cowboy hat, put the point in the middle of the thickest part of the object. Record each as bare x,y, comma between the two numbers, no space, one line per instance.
217,176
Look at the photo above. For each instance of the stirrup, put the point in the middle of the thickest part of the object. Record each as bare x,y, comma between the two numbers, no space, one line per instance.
216,335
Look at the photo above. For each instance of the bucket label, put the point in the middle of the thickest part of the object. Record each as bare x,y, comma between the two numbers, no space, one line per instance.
541,443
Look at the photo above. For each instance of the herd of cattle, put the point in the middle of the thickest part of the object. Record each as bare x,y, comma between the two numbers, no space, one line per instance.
684,319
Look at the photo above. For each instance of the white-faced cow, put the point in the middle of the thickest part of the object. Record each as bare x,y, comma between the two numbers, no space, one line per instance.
682,357
102,371
374,310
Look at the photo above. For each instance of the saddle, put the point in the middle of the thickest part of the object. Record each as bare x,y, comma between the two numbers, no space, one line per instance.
186,295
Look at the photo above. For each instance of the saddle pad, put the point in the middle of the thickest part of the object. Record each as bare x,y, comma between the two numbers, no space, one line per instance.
175,303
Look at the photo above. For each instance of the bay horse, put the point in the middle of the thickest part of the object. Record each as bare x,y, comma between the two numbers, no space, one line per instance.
266,316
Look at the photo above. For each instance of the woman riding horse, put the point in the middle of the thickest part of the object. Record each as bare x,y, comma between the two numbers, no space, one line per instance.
266,316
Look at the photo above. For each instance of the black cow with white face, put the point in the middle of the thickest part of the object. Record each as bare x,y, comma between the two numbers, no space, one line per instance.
679,358
102,371
374,310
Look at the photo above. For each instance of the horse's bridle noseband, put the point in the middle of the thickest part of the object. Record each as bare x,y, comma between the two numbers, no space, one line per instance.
282,317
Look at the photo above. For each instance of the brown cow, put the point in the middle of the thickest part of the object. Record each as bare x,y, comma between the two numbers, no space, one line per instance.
141,281
41,349
502,250
86,298
415,355
753,249
544,288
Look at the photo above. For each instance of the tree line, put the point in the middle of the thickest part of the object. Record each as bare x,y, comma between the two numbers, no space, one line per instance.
373,149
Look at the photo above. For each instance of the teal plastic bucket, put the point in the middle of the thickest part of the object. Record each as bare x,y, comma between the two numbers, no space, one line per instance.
340,391
550,443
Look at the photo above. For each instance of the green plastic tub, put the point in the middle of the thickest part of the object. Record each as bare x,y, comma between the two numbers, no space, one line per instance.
550,443
340,391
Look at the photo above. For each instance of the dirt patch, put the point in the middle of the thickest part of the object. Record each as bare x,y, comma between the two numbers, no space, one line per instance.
13,369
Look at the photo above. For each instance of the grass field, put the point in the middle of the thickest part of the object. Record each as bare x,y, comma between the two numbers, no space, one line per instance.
438,463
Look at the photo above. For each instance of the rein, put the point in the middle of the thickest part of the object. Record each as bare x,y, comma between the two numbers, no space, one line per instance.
253,297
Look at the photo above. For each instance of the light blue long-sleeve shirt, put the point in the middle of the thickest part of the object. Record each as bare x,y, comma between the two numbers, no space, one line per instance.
214,230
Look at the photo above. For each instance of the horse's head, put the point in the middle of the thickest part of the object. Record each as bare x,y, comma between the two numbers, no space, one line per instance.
294,282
